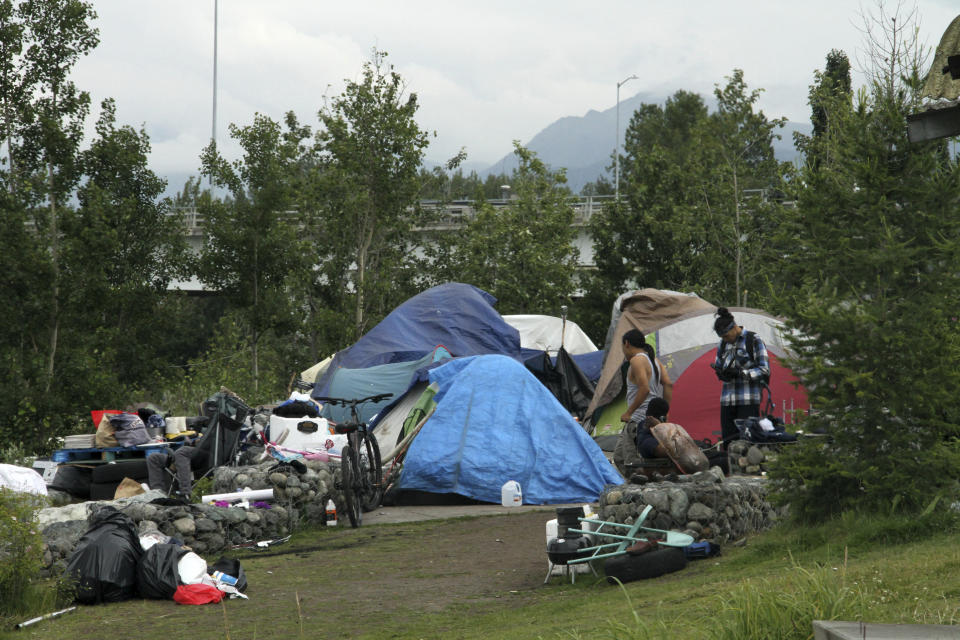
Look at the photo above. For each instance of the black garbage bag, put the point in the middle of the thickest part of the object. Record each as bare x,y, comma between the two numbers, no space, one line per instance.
157,574
103,567
231,567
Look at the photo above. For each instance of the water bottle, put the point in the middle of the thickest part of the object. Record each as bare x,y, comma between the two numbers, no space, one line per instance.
225,578
331,514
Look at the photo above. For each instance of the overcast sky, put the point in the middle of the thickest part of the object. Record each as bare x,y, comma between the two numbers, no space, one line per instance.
485,72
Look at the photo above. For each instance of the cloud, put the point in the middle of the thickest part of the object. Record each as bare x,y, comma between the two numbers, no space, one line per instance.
485,73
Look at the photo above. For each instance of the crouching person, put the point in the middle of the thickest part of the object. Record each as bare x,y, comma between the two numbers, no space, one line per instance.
647,445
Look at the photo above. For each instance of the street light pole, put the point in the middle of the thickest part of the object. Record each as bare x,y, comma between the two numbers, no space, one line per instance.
213,127
617,149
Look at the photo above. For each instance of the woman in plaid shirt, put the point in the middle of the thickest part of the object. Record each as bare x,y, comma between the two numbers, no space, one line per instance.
744,368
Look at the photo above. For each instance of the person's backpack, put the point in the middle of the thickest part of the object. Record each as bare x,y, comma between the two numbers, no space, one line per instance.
751,341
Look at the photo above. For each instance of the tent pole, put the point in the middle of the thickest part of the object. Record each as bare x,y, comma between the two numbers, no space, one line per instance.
563,324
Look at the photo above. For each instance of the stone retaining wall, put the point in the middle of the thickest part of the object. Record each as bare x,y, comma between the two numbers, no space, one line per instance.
207,529
705,505
751,459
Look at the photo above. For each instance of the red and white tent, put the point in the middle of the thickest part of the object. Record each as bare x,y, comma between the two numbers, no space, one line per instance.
680,328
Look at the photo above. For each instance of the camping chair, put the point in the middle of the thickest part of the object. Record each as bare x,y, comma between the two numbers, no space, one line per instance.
220,444
635,533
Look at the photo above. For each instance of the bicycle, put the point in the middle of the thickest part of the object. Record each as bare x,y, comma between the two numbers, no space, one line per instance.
361,474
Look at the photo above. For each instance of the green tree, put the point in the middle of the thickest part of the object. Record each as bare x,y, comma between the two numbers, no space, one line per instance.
832,82
696,212
599,187
871,251
123,247
370,149
523,252
11,82
830,85
42,114
254,243
59,32
739,217
86,245
652,236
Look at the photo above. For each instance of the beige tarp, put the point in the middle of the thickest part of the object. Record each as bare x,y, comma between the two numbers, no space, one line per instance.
646,310
311,374
940,85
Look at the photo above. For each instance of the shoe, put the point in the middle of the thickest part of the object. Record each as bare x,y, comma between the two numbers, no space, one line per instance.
641,547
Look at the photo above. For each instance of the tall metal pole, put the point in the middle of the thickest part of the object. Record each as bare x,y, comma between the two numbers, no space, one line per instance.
616,160
213,132
213,128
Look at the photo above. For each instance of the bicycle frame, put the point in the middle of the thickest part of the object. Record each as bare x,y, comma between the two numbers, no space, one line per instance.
362,485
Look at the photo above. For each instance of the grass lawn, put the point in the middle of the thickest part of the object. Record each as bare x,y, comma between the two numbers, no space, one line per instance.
483,578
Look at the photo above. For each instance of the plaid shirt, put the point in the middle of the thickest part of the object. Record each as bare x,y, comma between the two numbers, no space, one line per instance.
753,373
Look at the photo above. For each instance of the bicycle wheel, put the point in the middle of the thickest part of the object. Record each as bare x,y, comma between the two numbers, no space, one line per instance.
371,471
348,482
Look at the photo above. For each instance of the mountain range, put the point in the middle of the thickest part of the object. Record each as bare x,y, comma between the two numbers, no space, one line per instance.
584,144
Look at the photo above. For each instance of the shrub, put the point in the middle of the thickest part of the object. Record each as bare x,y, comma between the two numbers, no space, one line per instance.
21,549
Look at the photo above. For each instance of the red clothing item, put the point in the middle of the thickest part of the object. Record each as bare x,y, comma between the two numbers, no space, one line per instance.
197,594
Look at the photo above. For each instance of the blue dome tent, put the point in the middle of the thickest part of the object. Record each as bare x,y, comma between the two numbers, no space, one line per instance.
495,422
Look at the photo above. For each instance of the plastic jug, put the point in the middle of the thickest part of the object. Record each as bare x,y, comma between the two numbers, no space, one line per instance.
510,494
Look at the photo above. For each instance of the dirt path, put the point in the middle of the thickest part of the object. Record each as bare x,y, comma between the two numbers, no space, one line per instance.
375,581
425,566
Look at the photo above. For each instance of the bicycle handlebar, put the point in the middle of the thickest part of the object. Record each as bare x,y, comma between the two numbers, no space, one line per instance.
347,402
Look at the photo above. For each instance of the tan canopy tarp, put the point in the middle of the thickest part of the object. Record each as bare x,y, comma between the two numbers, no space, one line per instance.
646,310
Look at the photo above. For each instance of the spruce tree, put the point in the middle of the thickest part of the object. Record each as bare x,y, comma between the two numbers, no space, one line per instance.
871,252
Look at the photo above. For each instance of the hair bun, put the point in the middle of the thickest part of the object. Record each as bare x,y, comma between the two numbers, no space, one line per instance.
722,312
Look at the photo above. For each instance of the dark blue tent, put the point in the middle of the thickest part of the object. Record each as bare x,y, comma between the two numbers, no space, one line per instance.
591,364
460,317
495,422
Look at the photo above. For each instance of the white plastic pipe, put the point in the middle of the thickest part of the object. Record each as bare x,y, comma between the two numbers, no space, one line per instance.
252,494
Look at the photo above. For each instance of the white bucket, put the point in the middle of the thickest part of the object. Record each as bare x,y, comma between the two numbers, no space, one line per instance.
510,494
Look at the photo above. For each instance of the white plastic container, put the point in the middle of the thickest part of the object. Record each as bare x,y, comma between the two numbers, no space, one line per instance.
225,578
300,437
510,494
